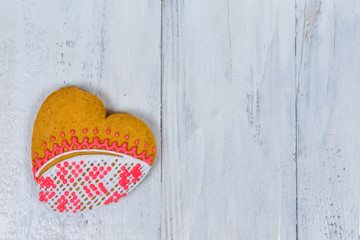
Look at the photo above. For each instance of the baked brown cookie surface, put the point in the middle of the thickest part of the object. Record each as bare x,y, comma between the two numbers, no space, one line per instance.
77,150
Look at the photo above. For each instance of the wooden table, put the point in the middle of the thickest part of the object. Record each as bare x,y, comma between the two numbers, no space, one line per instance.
254,105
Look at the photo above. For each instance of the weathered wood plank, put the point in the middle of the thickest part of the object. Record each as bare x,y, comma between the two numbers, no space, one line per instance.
328,47
109,48
228,120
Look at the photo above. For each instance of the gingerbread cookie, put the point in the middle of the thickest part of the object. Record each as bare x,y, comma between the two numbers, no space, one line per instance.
82,159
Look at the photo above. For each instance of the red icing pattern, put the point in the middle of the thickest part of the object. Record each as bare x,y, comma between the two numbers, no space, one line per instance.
114,198
45,196
124,181
62,206
102,188
46,182
68,201
136,173
76,145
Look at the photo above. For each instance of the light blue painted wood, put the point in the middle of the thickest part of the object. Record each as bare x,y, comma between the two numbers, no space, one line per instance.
328,120
109,48
253,102
229,120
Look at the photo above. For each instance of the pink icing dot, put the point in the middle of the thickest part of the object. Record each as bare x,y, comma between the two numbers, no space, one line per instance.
73,163
65,172
108,130
154,149
97,192
58,173
101,176
65,181
66,193
76,175
71,206
62,177
66,164
146,144
77,166
53,186
72,131
137,141
58,165
95,168
105,172
73,171
44,144
115,200
87,178
95,130
71,180
85,130
101,168
81,162
53,138
62,134
80,170
36,155
116,134
91,173
108,168
62,169
127,136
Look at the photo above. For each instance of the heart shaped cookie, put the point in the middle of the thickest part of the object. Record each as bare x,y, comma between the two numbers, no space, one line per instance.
82,159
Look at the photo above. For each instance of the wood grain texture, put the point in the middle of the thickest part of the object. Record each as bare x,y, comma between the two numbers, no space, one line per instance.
253,104
228,120
328,34
108,48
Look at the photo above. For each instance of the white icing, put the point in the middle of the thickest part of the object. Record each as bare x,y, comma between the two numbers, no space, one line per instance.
109,181
79,151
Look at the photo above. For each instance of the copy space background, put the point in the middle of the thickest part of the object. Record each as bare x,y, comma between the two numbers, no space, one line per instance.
254,105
